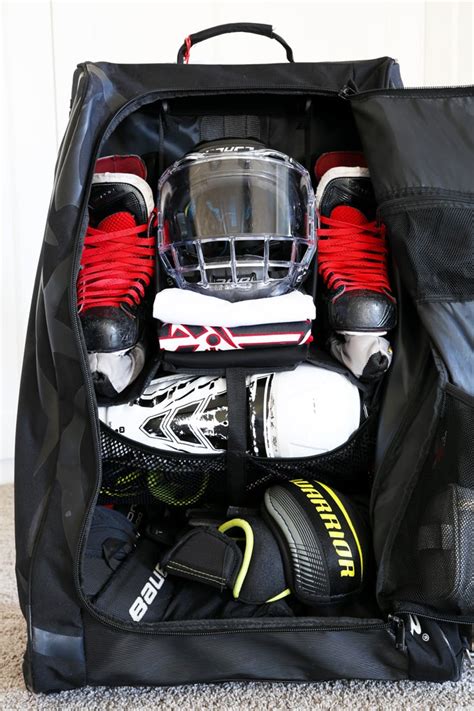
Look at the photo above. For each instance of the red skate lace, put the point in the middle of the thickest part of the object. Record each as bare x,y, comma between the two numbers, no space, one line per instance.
352,251
117,264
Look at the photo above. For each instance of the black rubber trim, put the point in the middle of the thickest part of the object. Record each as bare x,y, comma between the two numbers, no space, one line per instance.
51,644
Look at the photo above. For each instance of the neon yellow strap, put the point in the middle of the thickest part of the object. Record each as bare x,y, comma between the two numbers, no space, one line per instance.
348,519
285,593
244,569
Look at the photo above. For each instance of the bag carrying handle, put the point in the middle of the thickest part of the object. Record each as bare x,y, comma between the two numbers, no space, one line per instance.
252,27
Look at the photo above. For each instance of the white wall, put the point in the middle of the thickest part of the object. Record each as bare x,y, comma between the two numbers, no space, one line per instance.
43,41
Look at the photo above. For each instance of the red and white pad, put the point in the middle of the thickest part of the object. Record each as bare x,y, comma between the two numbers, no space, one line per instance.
182,338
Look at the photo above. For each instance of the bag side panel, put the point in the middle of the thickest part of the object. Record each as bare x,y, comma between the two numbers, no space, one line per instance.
55,443
420,150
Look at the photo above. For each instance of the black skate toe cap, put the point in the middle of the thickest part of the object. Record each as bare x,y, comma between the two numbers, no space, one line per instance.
108,329
362,311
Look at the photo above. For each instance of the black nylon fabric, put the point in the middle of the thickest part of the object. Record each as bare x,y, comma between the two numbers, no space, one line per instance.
55,453
418,139
122,82
301,127
455,344
274,358
262,654
407,408
436,649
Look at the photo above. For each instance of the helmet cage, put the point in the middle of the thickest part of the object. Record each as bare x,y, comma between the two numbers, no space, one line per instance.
238,265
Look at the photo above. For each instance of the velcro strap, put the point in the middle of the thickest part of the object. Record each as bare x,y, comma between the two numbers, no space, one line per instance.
206,556
237,433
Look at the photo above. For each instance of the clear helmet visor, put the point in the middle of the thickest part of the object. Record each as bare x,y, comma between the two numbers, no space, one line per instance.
236,225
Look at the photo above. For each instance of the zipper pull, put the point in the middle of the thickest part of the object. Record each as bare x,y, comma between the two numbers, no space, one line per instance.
399,629
348,90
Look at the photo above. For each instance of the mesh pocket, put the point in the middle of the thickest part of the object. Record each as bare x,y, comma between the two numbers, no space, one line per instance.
133,473
432,563
346,467
446,550
434,249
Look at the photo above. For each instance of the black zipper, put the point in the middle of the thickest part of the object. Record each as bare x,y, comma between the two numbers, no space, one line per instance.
400,633
351,93
454,619
185,628
394,623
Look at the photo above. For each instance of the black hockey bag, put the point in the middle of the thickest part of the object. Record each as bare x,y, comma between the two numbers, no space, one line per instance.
245,426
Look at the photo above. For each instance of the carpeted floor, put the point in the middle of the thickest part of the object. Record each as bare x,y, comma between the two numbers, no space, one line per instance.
331,695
